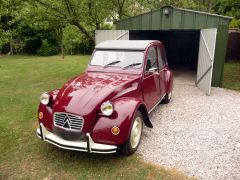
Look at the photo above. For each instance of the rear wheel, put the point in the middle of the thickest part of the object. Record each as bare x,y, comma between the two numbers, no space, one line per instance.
167,98
133,141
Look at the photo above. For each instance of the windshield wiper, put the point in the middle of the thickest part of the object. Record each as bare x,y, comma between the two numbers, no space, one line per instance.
112,63
131,65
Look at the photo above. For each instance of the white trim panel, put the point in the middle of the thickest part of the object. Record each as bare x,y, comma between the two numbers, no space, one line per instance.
104,35
205,59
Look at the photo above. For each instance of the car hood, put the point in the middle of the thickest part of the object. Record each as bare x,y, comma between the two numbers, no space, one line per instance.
84,94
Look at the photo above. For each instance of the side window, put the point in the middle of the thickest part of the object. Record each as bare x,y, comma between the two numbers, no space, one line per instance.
164,56
160,59
151,58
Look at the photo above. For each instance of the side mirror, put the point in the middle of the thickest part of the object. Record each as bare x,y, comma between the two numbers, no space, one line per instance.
154,69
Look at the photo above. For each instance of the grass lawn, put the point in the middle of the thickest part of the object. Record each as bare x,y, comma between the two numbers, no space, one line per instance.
231,79
24,156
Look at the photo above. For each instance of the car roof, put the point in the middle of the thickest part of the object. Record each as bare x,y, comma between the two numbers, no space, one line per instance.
125,44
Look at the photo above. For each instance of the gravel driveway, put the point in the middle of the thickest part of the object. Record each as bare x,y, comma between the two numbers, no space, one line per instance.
195,133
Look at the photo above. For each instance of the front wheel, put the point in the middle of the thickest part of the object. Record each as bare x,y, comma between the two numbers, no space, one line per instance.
133,141
167,98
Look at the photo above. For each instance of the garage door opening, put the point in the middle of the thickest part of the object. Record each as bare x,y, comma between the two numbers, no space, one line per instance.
182,48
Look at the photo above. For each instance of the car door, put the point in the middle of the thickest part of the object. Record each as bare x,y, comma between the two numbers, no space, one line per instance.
151,86
162,69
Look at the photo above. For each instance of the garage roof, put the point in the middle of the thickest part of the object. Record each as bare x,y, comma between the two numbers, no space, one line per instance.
169,17
124,44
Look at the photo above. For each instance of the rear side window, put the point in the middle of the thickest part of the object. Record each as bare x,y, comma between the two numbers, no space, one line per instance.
151,58
160,59
164,56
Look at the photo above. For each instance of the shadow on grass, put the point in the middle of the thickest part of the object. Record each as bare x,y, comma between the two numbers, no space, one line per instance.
51,151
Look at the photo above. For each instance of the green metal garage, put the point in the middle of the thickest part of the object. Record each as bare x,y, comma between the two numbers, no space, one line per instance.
191,38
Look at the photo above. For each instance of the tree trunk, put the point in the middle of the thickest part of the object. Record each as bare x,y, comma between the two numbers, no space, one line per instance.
97,25
209,5
59,36
11,46
62,49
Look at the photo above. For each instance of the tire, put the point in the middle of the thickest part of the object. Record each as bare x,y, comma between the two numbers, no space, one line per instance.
131,145
167,98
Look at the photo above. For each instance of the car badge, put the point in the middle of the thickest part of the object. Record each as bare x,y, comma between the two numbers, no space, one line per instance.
66,122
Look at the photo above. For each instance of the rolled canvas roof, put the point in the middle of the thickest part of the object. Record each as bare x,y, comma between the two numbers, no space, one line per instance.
124,44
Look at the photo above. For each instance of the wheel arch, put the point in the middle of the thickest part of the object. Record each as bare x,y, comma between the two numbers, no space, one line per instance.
125,108
143,110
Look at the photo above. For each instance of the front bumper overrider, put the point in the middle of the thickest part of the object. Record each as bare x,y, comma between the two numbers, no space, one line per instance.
87,146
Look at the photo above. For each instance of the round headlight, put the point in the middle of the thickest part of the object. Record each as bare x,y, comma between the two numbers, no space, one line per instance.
44,98
107,108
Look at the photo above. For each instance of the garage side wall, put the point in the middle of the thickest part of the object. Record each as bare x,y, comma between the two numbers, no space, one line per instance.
220,54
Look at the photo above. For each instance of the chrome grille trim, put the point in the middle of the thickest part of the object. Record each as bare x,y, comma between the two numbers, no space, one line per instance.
75,122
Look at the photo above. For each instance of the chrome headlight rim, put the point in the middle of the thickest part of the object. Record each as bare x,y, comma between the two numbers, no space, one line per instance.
107,108
45,98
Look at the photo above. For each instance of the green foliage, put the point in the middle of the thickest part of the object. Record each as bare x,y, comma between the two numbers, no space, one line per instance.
75,42
229,8
231,79
33,38
86,15
3,37
71,38
8,24
47,49
107,26
235,23
188,4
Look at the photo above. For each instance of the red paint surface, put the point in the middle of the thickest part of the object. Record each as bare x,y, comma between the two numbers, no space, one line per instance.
125,88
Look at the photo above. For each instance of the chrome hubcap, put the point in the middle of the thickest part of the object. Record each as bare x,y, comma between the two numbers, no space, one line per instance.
136,132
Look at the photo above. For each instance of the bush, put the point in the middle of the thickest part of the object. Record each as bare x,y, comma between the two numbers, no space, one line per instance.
47,49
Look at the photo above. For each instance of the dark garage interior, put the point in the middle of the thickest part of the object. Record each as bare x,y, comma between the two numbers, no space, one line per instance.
181,45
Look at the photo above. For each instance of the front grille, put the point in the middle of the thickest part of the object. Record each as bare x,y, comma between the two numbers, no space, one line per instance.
68,121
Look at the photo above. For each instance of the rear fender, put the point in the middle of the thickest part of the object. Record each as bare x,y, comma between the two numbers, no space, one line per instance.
122,117
169,81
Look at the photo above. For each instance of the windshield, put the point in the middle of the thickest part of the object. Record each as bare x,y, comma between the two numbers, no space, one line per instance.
129,59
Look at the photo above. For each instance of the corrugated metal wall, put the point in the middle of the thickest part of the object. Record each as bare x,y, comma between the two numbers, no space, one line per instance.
176,19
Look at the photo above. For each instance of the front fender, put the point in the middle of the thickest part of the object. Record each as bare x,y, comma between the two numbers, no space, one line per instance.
124,109
47,112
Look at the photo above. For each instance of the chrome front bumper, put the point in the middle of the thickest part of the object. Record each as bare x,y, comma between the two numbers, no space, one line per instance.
86,146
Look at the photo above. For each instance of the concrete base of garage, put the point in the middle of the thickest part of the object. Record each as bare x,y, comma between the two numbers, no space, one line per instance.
184,77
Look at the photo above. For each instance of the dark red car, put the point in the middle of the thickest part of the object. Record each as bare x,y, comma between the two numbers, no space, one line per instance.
105,108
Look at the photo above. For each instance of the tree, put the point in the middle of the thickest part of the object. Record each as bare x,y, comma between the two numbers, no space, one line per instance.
86,15
188,4
229,8
121,9
40,19
8,23
71,38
